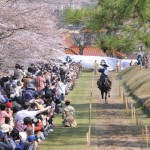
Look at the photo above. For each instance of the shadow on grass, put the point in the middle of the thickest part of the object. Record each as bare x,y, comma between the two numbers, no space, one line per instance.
87,70
71,136
140,103
139,85
115,131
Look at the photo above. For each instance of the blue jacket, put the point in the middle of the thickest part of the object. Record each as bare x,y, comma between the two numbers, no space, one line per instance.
30,94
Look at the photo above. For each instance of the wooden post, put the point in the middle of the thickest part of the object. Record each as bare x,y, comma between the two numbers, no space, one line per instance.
136,115
121,95
133,112
117,87
126,100
91,101
90,115
146,136
119,91
143,132
87,139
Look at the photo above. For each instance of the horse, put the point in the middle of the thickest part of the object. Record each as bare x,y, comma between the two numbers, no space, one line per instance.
104,84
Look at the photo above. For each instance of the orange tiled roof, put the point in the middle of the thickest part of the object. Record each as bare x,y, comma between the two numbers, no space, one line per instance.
120,54
88,51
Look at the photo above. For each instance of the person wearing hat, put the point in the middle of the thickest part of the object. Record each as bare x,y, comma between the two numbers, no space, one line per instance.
69,115
104,74
32,140
30,93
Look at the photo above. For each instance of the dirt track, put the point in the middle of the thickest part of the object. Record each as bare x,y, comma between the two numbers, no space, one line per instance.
115,129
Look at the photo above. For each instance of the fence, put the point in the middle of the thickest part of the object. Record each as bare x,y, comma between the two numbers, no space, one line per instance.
88,135
144,129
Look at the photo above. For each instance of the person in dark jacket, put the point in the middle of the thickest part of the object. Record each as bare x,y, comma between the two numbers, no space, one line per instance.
4,144
30,93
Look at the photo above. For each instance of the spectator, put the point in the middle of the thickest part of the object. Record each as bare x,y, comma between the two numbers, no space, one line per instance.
18,73
6,127
117,66
4,145
69,115
95,67
25,113
60,89
40,83
30,93
4,112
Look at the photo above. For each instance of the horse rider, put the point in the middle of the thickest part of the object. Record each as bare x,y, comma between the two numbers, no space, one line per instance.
104,74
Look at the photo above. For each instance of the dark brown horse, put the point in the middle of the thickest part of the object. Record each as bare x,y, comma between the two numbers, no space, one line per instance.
104,84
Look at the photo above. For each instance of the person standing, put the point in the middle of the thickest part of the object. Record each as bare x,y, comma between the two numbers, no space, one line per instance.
60,89
40,83
117,66
95,67
18,73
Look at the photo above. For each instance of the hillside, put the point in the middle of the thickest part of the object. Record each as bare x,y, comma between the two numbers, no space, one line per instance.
138,83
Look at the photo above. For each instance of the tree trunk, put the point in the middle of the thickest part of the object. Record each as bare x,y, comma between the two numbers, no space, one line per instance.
81,50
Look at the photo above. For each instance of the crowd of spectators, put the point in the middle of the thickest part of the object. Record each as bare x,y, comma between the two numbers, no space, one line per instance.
29,100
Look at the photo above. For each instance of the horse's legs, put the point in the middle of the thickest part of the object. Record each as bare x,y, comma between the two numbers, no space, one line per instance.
109,94
105,97
102,94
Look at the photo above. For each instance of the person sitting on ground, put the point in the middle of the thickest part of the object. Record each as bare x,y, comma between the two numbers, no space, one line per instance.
69,115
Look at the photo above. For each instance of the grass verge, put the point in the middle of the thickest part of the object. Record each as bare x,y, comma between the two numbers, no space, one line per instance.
73,138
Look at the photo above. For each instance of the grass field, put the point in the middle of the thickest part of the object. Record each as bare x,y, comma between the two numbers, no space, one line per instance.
136,82
73,138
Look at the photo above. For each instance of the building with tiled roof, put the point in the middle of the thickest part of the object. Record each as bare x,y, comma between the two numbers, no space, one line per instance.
88,51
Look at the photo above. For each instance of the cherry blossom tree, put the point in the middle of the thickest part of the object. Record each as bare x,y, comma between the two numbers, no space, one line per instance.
28,32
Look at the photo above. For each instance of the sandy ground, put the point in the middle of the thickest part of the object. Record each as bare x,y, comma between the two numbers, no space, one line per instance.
115,130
